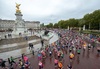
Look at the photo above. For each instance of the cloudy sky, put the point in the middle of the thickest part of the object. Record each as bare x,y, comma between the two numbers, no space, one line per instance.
47,11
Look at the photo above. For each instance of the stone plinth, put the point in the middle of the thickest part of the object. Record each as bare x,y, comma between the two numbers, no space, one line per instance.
19,25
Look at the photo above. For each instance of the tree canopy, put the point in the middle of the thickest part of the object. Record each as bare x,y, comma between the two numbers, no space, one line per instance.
90,20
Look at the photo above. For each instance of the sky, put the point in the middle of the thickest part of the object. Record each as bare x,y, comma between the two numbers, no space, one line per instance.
48,11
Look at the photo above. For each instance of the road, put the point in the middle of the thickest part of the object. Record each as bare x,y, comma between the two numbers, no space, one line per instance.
87,60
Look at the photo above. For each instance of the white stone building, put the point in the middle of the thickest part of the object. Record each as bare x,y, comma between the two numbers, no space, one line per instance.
10,24
32,24
6,24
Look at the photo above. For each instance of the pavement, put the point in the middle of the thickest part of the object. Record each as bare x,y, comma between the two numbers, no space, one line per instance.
17,43
17,49
17,40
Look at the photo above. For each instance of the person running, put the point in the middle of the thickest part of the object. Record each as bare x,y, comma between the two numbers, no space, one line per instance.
89,46
93,43
9,61
12,60
33,52
50,53
39,56
22,56
70,50
71,56
98,50
55,62
84,47
78,51
2,63
40,65
62,55
27,64
25,58
58,54
60,65
21,64
69,66
10,64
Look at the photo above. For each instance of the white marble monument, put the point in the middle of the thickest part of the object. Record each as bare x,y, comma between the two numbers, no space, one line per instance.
84,27
19,22
68,28
79,28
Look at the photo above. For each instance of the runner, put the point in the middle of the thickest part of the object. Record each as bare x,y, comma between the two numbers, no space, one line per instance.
56,62
12,61
2,63
79,51
21,64
89,46
98,50
40,65
69,66
60,65
71,56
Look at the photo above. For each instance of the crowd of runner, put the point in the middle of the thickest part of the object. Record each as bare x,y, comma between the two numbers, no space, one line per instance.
69,42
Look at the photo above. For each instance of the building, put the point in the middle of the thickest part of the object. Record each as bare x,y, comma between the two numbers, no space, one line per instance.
6,24
32,24
10,24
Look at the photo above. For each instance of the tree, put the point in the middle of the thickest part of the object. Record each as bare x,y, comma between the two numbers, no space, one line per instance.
42,25
90,20
73,22
50,25
55,25
81,22
61,24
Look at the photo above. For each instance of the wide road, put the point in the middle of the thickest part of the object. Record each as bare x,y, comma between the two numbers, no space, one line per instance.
86,60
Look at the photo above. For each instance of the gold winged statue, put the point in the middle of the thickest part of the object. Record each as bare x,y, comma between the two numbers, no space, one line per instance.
17,8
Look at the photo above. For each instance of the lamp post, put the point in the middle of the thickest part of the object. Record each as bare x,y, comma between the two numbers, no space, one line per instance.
59,27
89,26
99,26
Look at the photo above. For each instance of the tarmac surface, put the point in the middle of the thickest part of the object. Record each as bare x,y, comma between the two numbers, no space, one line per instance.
86,60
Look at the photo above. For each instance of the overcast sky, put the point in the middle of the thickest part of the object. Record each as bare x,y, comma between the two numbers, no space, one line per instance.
47,11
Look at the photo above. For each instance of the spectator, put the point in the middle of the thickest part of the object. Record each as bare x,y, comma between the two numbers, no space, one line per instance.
42,42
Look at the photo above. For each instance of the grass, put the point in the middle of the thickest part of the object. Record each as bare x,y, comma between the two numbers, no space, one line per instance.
90,32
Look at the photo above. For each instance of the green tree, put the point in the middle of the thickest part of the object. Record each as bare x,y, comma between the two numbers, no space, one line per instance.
55,25
90,20
50,25
42,25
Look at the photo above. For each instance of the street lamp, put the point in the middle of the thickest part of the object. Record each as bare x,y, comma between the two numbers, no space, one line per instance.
89,25
99,26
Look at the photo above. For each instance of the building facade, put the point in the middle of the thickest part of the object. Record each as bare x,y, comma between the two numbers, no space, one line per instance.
32,24
10,24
